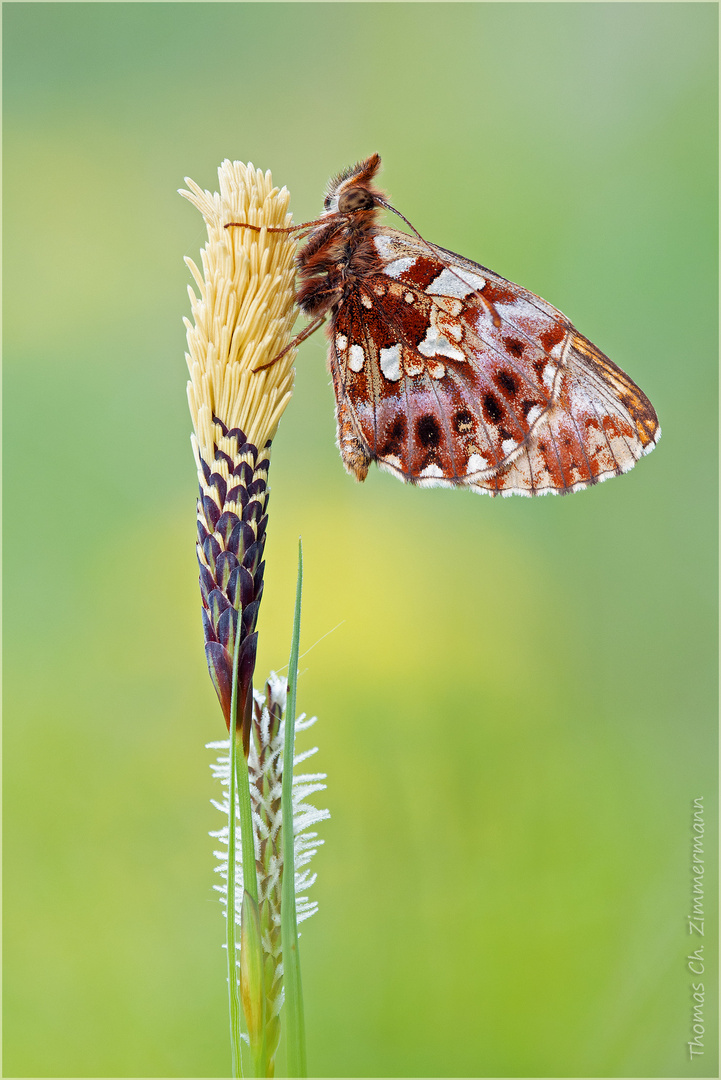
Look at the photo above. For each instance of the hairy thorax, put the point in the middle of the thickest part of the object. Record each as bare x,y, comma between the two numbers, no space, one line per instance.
334,260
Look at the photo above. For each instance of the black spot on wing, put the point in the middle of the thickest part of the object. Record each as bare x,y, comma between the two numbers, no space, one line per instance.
514,346
429,433
395,439
492,409
463,422
507,383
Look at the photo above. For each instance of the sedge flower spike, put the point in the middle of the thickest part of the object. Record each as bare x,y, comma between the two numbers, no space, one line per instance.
242,319
265,765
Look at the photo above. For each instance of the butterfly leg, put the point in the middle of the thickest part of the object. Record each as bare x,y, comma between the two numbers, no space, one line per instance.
305,333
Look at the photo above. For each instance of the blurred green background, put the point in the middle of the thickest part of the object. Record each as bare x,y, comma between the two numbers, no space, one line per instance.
519,706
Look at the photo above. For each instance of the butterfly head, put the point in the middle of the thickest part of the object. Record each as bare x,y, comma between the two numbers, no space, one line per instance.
352,191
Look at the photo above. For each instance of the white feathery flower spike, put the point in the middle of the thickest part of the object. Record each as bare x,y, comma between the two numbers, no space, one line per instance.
265,764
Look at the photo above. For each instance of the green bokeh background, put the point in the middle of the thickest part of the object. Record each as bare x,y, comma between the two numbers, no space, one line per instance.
519,706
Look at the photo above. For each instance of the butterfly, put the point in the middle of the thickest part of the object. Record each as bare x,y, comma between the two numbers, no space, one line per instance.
448,374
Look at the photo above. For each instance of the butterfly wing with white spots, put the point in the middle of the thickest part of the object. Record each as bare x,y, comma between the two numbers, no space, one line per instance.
447,374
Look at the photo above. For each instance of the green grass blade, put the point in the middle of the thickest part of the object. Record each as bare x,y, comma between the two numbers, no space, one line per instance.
247,839
289,928
230,939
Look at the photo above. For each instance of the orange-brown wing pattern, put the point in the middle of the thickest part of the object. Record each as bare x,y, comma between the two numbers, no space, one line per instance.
447,374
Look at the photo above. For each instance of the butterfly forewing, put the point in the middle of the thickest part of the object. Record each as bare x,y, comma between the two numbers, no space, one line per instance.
600,426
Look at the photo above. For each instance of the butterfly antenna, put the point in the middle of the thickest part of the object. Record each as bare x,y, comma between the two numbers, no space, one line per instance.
484,300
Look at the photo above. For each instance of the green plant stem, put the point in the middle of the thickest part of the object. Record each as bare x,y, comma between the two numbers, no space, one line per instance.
289,927
234,1006
250,875
247,840
252,988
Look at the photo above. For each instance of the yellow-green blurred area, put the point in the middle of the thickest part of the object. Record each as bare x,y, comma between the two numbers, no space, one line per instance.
518,707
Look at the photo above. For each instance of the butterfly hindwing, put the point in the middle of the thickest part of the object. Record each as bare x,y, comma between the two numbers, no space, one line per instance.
440,388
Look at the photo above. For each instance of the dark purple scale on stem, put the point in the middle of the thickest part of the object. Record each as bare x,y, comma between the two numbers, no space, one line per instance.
232,521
